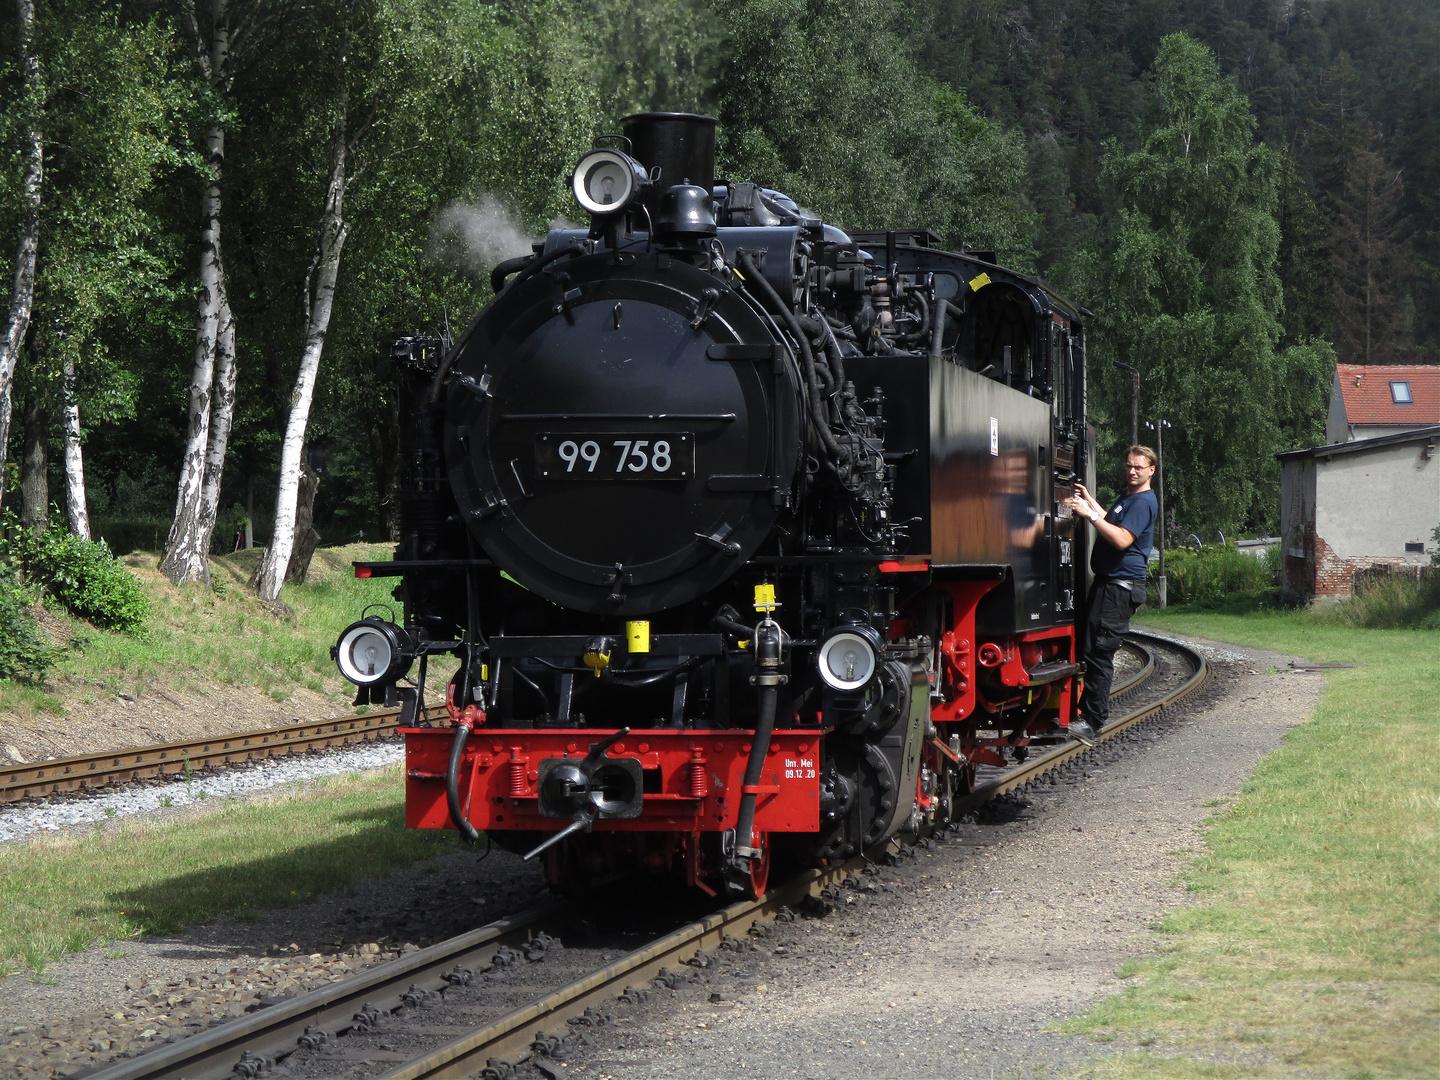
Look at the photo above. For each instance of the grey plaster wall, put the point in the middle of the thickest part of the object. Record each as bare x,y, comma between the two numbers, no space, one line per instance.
1370,504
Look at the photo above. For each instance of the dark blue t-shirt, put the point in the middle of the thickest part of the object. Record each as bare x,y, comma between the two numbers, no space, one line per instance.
1136,514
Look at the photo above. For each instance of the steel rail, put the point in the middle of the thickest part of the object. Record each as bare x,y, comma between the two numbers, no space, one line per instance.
514,1033
1036,767
510,1037
1140,677
274,1032
114,767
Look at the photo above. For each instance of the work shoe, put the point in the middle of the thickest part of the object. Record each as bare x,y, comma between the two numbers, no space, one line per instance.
1082,730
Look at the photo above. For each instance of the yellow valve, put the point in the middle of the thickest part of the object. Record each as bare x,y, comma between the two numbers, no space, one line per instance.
597,654
979,282
765,599
637,635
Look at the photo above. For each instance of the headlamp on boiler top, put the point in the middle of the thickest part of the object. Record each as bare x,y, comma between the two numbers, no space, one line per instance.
607,181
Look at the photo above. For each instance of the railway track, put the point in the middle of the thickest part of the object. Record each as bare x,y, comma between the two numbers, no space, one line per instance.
312,1030
117,767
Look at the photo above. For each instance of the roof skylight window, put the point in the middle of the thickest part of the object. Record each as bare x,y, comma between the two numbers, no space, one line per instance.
1400,393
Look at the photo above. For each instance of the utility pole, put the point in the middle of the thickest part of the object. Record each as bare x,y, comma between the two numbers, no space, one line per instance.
1134,401
1159,427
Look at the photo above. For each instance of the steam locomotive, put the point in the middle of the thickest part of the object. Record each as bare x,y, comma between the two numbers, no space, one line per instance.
747,534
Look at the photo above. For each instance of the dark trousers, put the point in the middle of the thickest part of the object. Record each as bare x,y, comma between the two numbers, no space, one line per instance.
1107,617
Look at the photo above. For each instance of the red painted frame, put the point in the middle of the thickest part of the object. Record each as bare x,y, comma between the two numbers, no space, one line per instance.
700,774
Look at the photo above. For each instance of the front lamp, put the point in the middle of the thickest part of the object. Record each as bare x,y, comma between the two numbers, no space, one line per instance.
372,652
607,181
849,658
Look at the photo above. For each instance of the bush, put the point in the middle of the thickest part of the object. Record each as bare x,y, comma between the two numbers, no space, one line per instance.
1214,571
81,574
24,653
1394,601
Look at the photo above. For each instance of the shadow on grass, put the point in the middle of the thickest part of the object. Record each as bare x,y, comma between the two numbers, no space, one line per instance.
246,889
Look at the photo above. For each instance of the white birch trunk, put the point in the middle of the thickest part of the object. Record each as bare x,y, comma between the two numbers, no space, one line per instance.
187,549
222,412
333,230
75,508
185,558
23,293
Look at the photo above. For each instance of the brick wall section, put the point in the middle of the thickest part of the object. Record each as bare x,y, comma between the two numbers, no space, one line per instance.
1335,576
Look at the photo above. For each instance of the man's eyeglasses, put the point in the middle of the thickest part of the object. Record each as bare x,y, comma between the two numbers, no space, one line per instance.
1136,468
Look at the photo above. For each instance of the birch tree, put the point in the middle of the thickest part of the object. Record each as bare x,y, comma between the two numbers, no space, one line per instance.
234,29
77,514
223,409
319,300
22,292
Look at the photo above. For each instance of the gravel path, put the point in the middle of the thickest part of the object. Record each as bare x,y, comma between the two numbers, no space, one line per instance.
953,963
957,962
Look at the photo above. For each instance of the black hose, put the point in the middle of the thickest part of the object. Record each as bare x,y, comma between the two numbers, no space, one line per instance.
924,331
937,331
778,307
505,269
768,646
452,785
755,763
834,364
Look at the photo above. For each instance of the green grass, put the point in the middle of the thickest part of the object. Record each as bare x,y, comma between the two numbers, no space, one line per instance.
1312,946
198,638
63,894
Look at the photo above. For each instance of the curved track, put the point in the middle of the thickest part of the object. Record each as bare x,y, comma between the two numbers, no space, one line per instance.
249,1045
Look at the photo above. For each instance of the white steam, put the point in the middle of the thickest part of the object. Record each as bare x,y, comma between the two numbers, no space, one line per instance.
481,235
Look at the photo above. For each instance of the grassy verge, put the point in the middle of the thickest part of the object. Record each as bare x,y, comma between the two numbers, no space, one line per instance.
62,894
1312,949
198,638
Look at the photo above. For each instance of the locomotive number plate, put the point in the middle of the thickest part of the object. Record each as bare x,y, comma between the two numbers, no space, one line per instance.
616,455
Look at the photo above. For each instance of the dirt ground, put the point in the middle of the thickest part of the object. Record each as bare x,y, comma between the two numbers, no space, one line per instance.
959,962
956,963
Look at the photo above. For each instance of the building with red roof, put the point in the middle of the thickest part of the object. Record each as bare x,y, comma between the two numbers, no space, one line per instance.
1371,400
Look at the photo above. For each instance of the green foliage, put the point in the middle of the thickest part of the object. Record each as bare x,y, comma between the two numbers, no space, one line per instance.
1185,288
24,653
81,574
1213,571
848,125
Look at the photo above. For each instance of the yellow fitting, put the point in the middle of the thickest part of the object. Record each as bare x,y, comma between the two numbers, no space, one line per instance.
765,599
597,661
637,635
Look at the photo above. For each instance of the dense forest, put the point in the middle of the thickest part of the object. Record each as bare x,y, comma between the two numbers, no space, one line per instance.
215,219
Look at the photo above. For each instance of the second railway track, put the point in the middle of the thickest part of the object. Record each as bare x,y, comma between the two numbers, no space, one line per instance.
113,768
424,1016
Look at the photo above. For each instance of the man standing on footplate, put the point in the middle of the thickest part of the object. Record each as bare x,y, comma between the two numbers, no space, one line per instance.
1122,545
